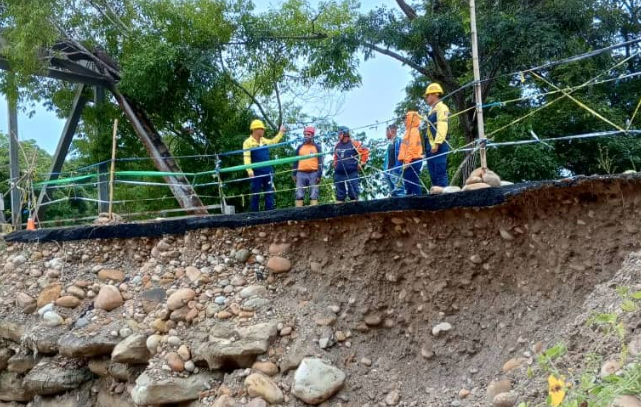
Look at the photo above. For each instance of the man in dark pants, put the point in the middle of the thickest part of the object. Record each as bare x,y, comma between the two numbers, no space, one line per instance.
349,158
437,123
261,178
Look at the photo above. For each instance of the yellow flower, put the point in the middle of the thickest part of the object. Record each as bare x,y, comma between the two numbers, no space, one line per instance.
556,388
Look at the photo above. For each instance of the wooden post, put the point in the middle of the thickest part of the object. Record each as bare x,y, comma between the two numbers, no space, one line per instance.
14,167
113,169
478,95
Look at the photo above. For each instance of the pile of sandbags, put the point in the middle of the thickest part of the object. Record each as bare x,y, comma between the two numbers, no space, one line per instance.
478,179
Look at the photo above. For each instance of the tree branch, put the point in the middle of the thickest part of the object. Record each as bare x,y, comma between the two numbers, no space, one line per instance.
398,57
280,106
407,9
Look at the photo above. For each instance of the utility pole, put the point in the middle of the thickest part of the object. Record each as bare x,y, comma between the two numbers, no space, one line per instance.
478,97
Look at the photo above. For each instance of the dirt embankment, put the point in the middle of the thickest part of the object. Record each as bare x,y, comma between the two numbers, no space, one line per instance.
414,308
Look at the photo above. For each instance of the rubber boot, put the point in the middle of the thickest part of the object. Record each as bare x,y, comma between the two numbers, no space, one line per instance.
313,202
299,204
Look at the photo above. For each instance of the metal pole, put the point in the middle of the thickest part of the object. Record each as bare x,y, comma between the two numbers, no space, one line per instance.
103,188
113,168
14,169
478,96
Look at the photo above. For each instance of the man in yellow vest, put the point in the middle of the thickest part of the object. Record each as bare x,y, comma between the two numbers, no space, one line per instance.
437,123
262,179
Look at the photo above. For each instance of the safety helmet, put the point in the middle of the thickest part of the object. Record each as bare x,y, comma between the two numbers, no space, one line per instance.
343,129
309,129
257,124
434,88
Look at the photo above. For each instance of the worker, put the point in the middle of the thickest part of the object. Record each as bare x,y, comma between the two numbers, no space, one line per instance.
349,159
308,172
262,179
392,165
411,154
437,135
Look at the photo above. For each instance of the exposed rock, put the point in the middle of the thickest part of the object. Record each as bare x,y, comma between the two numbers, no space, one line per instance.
435,190
242,255
11,388
43,339
175,362
491,179
68,301
76,292
634,347
222,351
74,346
5,355
113,275
192,273
26,303
473,180
224,401
451,189
49,294
279,265
22,362
167,390
255,303
392,398
315,381
259,385
99,367
180,298
132,350
11,330
52,318
50,377
108,298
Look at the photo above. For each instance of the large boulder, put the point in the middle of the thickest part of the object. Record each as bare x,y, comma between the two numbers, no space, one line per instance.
222,351
52,377
132,350
316,381
166,390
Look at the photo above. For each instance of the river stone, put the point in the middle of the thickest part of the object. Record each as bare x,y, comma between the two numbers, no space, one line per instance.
253,290
167,389
316,381
180,298
73,346
279,265
132,350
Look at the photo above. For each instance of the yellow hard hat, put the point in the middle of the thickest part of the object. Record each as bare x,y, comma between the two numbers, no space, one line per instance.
257,124
434,88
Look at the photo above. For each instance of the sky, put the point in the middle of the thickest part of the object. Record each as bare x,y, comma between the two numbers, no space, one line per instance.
382,88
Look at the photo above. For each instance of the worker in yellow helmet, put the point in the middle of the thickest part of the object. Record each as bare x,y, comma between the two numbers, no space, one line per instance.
262,179
437,123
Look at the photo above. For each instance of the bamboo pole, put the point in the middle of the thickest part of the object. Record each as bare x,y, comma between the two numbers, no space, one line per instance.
478,96
113,168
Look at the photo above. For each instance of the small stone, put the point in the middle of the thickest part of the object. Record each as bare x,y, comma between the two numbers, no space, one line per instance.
442,327
238,281
259,385
513,364
173,341
48,295
184,353
626,401
334,308
225,315
253,290
180,298
279,265
373,320
316,381
325,320
268,368
108,298
474,187
476,259
392,398
68,301
175,362
286,331
609,367
242,255
192,273
340,336
76,292
125,332
26,303
505,234
52,319
497,387
190,366
366,362
463,393
152,343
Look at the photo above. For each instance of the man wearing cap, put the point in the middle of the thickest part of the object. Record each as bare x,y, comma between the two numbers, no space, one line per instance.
349,158
437,122
262,178
308,172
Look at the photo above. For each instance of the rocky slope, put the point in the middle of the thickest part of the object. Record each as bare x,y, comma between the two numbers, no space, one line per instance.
445,308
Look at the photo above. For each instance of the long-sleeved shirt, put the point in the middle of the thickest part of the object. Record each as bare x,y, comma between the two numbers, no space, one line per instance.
254,154
391,157
438,124
349,156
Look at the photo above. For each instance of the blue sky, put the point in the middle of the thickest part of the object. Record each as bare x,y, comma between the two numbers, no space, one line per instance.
383,86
